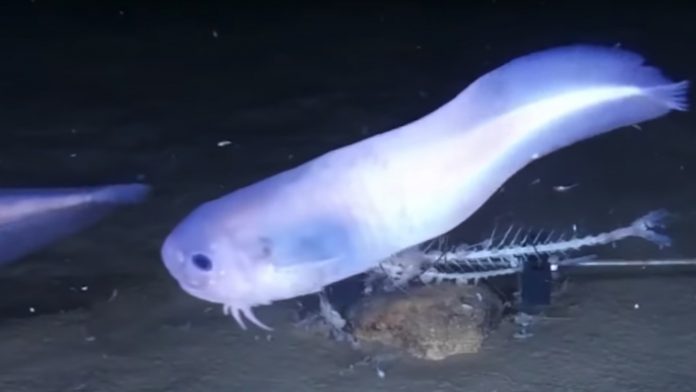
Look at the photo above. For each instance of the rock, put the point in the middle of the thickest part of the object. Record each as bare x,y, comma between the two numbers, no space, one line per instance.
429,322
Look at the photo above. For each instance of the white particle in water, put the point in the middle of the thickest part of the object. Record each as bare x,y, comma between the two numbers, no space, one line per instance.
113,296
636,306
564,188
223,143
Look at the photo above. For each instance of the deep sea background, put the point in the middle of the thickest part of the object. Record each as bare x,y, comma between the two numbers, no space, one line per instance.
118,91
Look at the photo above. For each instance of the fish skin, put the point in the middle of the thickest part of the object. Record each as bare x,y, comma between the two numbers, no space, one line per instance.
34,218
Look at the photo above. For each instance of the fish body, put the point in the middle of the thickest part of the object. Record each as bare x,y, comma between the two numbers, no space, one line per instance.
345,211
33,218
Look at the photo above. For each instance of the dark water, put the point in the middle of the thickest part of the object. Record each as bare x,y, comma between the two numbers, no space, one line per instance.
107,92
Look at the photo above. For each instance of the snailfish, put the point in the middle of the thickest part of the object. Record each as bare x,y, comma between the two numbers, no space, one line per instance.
342,213
33,218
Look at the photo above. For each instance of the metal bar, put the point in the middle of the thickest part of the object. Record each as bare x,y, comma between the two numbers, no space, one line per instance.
586,262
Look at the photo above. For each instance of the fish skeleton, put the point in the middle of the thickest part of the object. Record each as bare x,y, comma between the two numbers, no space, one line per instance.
342,213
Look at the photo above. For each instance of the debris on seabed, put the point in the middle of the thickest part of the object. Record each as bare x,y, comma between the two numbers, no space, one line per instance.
371,361
523,322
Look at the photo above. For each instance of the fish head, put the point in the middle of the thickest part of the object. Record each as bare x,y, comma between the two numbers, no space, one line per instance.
222,257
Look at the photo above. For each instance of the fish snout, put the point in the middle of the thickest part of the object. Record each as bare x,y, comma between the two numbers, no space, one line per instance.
172,257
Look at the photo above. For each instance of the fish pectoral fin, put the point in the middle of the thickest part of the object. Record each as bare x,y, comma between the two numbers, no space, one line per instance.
310,244
299,262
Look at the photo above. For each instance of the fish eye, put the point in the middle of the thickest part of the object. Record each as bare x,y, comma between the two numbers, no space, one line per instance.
202,262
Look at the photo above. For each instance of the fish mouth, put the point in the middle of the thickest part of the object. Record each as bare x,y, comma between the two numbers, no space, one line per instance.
200,294
229,308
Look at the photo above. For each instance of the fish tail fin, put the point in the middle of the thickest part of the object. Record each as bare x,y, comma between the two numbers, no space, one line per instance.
31,219
673,95
122,193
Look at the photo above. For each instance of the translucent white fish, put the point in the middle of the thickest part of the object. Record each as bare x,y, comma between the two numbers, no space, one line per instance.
31,219
340,214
